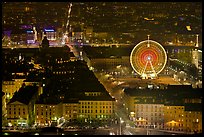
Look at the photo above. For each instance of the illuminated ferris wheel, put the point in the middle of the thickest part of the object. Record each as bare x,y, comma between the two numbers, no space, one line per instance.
148,58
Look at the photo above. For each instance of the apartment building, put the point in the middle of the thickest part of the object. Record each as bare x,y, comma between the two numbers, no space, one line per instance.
20,109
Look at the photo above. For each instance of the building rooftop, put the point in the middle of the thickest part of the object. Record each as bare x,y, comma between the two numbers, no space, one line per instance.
47,99
70,100
97,98
173,96
177,87
143,92
25,94
193,107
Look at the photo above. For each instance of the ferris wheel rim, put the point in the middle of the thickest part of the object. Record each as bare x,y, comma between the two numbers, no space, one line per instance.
158,45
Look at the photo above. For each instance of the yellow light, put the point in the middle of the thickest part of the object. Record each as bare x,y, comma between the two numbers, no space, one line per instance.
7,96
149,18
188,28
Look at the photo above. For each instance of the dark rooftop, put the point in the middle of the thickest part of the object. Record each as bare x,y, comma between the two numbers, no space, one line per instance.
193,107
70,100
24,94
46,99
183,87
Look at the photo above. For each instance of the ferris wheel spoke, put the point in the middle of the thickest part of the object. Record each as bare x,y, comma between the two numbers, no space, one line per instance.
153,68
143,72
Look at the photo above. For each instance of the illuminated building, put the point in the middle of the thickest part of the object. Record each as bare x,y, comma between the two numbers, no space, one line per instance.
69,109
195,57
20,109
45,113
182,110
174,117
73,99
17,111
195,54
96,106
23,35
77,35
109,65
11,86
183,118
31,37
193,118
175,108
149,115
50,34
92,107
18,37
146,108
88,34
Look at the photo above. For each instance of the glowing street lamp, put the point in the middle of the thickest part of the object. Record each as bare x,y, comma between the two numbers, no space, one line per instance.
121,121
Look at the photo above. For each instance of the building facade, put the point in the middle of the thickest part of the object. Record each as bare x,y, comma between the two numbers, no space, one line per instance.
45,114
17,114
21,107
174,117
170,109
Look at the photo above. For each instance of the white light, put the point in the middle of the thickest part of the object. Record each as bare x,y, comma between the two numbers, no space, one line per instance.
6,134
65,36
148,57
9,124
7,96
152,75
49,30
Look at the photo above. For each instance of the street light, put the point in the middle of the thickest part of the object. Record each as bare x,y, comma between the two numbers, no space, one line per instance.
121,121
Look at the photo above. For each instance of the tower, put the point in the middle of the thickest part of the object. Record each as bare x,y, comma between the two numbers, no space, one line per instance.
196,40
195,53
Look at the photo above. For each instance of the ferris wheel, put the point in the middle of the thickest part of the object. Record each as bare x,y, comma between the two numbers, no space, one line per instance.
148,58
